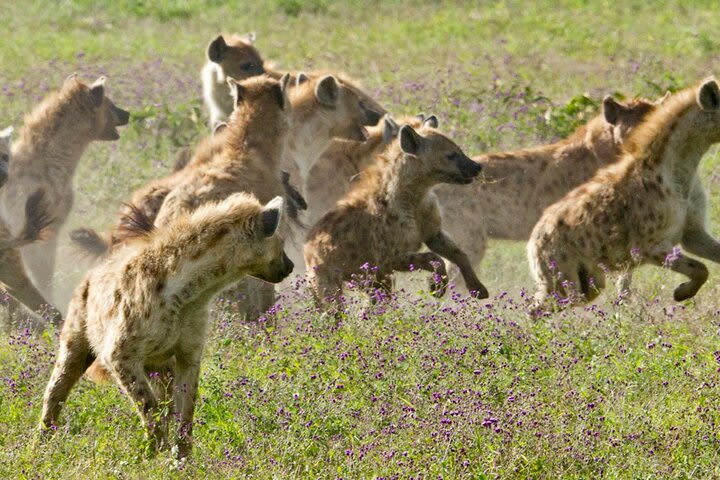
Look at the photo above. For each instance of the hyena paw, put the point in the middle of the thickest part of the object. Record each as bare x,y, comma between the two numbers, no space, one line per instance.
478,290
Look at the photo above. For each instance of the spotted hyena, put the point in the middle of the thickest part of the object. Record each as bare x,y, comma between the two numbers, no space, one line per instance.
637,210
145,307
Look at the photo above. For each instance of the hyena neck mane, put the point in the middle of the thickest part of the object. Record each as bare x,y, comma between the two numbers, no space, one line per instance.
256,134
190,260
308,138
667,141
56,134
394,181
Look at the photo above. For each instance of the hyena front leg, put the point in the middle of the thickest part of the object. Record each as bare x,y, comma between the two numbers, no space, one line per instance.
19,286
73,359
443,245
701,243
130,374
428,261
693,269
185,387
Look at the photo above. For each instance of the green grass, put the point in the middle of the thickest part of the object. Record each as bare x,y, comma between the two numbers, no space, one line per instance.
624,390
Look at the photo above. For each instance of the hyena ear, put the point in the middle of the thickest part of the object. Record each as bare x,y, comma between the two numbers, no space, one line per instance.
237,91
97,91
611,109
285,82
420,117
249,38
301,78
390,129
327,91
217,48
282,91
431,122
219,127
409,139
70,79
662,99
271,216
708,96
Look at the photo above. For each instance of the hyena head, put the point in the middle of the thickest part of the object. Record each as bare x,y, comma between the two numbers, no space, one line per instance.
621,117
255,232
100,115
5,144
236,56
264,100
436,157
706,121
340,104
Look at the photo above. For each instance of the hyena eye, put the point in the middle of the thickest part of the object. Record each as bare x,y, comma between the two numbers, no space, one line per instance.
453,156
247,66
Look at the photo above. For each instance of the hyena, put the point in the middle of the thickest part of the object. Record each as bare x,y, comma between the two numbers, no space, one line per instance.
389,214
638,209
145,307
13,277
50,144
331,176
517,186
228,56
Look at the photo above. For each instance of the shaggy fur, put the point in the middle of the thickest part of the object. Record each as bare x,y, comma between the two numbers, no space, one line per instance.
50,144
638,209
389,214
145,307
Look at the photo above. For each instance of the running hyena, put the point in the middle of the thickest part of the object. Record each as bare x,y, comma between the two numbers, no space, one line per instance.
517,186
145,307
637,210
389,214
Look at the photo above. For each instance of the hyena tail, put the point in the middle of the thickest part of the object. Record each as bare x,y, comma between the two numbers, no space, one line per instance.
135,223
37,222
90,242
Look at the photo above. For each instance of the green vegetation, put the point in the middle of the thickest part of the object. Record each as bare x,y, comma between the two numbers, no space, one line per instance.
415,388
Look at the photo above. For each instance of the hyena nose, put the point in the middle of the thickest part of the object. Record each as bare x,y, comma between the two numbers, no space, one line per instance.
470,168
289,265
123,116
372,117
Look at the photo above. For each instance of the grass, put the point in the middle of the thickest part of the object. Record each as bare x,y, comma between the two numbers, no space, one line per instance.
416,388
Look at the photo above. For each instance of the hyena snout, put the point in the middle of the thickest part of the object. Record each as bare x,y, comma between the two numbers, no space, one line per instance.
467,168
122,117
278,270
371,116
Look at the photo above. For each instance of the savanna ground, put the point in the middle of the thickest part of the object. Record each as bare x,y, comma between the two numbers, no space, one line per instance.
416,388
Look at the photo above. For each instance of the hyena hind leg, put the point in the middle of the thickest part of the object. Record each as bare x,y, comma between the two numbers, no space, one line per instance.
131,377
73,359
